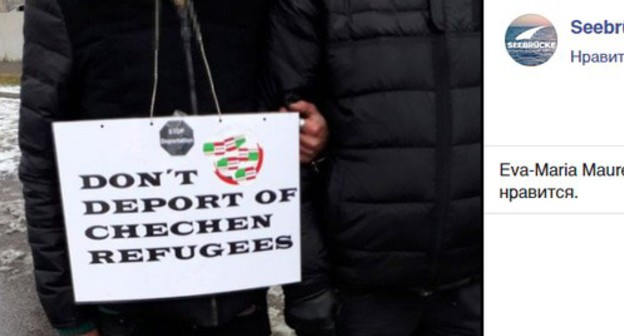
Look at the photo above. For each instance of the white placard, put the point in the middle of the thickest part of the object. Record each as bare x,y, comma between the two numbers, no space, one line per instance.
220,215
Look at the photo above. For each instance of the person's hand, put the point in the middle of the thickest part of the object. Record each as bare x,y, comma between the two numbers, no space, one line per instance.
92,333
314,133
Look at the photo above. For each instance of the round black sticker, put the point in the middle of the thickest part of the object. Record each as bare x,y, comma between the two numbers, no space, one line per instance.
176,137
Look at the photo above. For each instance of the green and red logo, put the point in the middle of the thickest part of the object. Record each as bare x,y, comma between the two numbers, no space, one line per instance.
235,162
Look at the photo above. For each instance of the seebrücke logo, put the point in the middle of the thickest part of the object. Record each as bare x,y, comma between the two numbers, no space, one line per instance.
531,40
236,159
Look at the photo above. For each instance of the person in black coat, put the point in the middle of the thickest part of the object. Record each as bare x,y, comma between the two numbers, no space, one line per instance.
399,83
95,59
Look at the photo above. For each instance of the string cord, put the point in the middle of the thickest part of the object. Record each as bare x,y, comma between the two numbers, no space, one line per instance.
157,11
196,28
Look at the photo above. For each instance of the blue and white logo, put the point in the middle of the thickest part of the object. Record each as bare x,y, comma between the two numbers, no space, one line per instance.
531,40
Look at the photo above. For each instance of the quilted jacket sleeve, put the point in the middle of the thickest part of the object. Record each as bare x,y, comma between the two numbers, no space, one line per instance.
295,49
294,56
294,53
46,70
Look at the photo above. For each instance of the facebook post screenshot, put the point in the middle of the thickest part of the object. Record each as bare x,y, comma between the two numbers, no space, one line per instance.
311,167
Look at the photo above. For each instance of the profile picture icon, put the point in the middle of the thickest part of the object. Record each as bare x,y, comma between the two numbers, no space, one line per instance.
531,40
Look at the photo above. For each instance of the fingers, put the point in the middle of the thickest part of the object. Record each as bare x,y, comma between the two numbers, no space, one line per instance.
314,131
309,147
304,108
310,143
305,158
312,138
314,126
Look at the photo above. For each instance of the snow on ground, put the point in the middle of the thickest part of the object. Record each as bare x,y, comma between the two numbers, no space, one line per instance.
9,152
10,89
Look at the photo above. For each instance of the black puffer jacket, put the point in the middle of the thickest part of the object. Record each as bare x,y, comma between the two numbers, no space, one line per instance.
400,83
92,59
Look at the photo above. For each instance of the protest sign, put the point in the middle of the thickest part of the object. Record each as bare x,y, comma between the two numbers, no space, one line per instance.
175,207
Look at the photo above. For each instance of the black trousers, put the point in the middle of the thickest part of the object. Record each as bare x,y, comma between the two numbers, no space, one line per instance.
455,312
253,324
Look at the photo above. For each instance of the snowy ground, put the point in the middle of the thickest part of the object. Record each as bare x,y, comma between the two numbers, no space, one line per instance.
10,89
9,153
20,312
